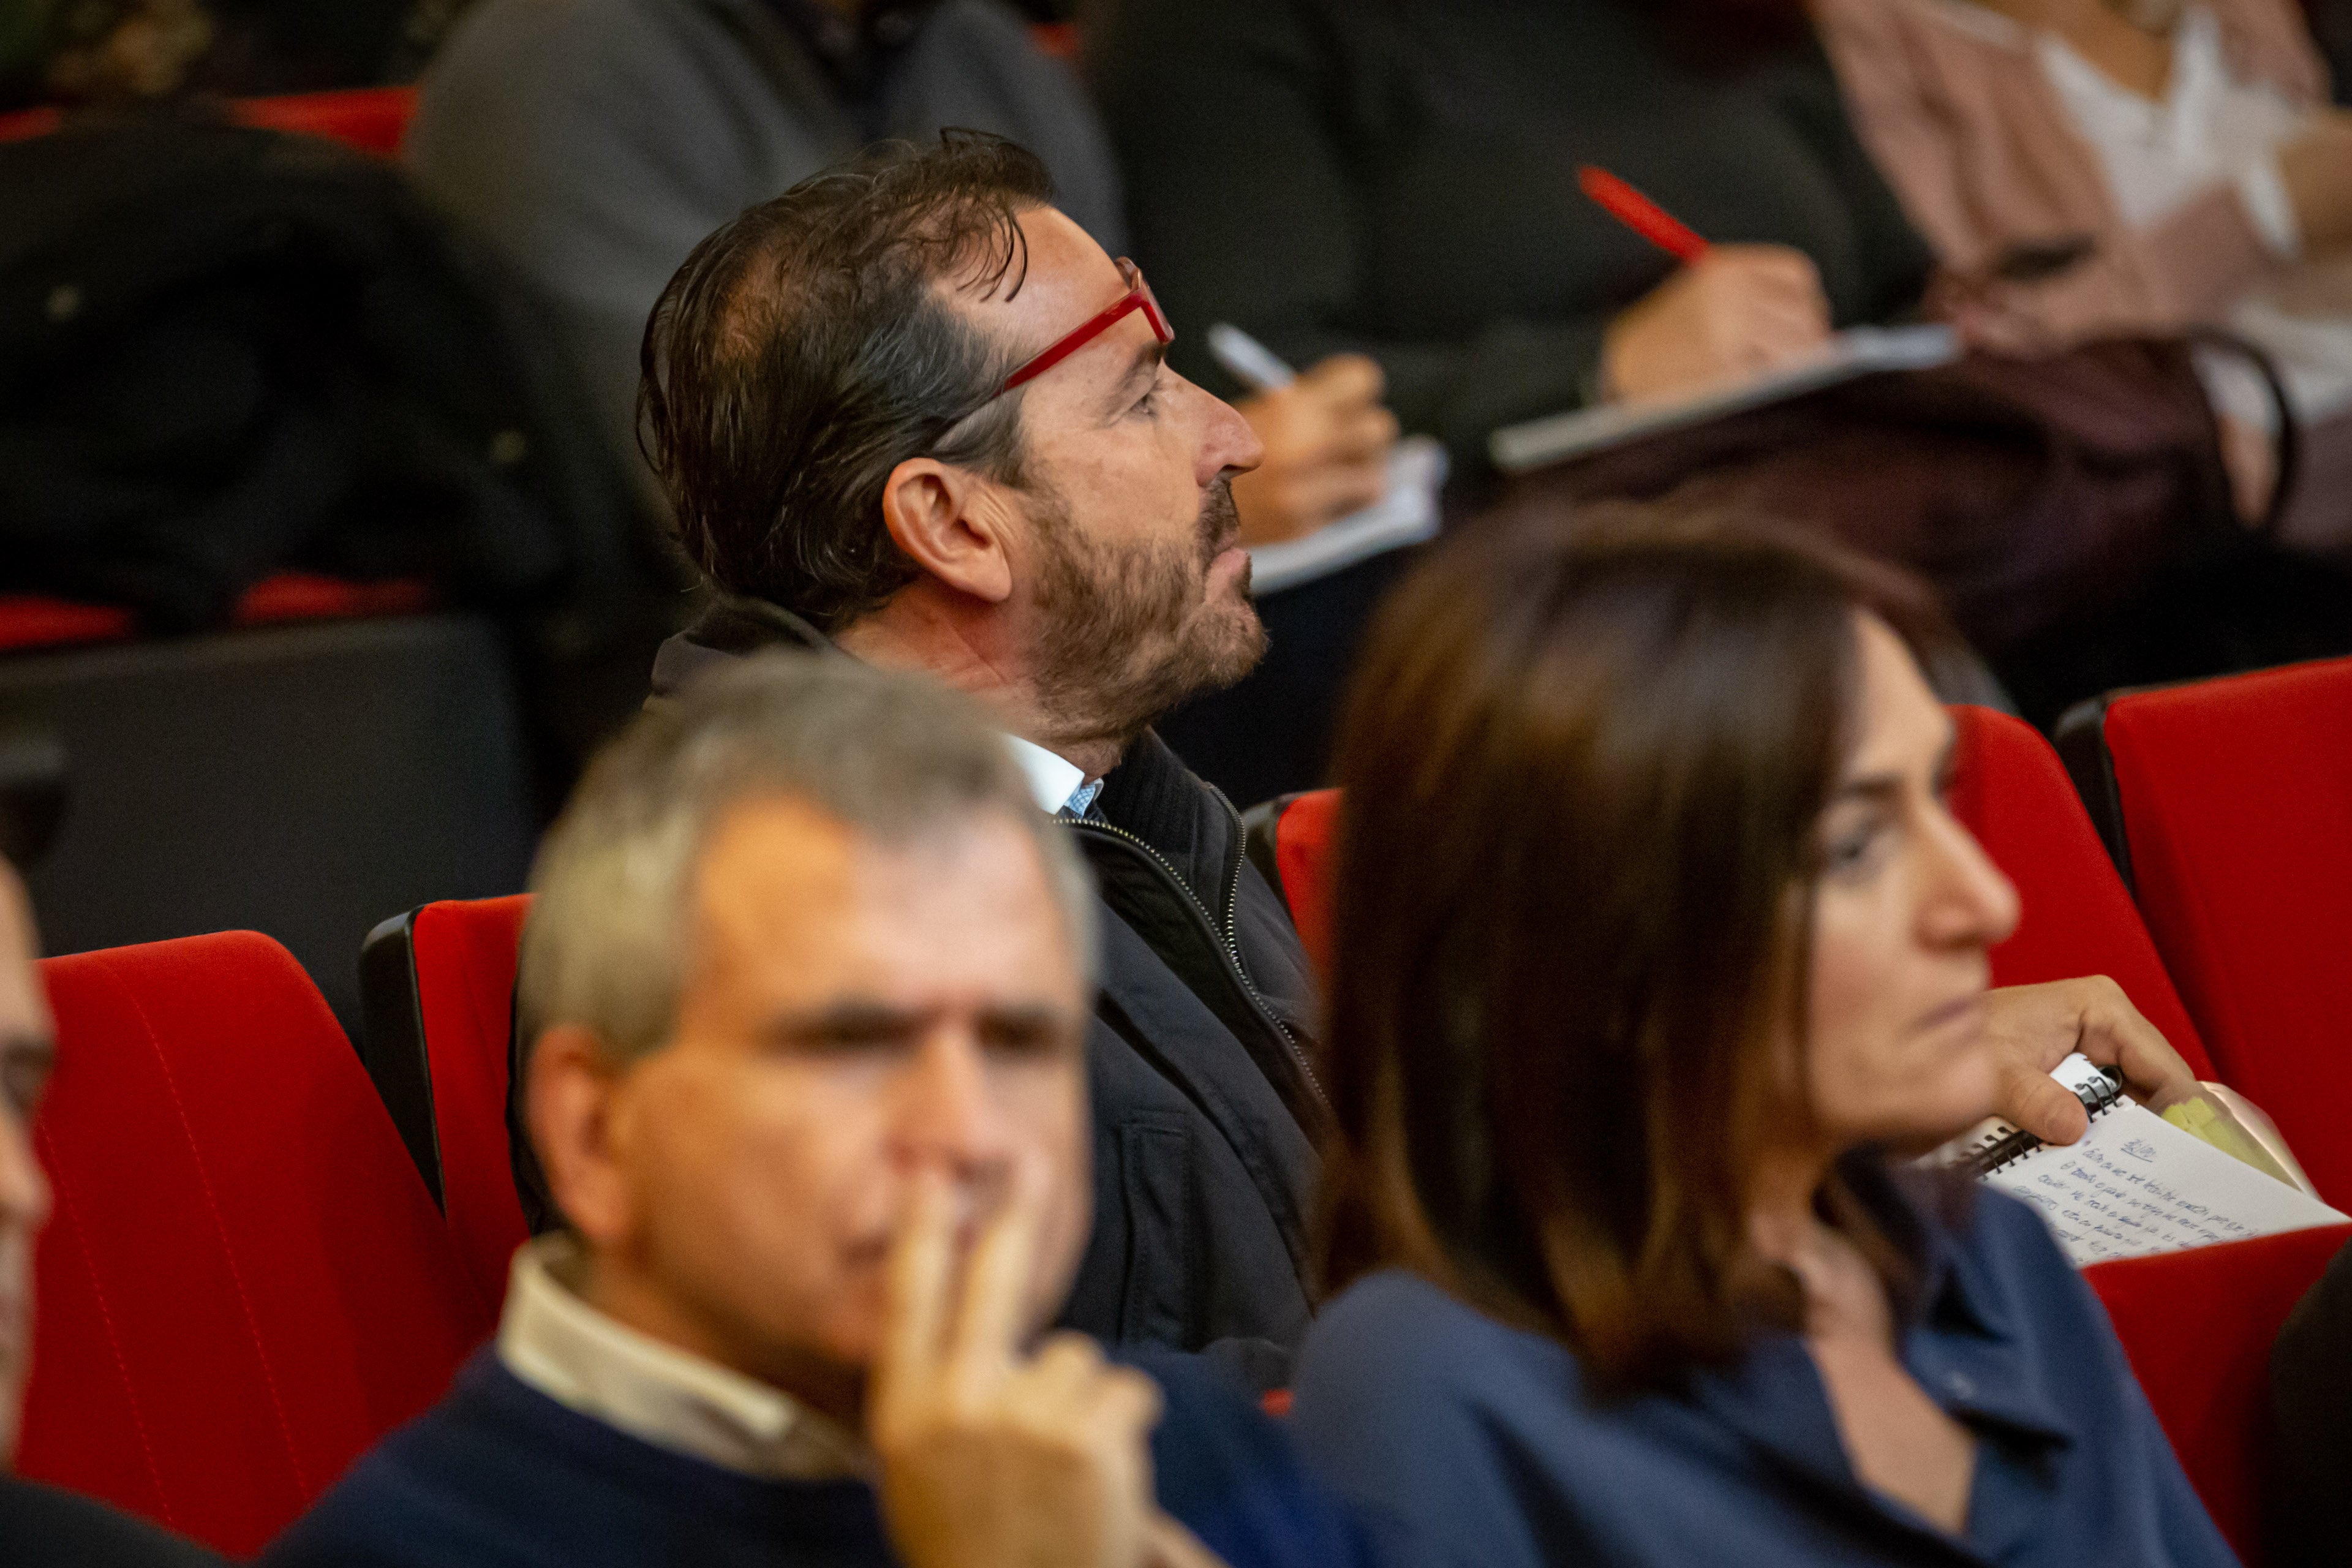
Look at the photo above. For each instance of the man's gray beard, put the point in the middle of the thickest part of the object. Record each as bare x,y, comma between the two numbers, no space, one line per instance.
1127,633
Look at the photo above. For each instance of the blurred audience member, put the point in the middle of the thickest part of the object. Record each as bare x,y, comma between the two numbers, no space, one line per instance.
594,142
1654,943
1401,181
40,1524
2087,173
2311,1396
808,978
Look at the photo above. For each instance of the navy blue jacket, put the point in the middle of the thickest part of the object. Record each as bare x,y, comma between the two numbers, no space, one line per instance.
499,1474
1464,1442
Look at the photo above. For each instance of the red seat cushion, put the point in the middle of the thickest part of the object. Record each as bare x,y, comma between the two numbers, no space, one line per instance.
1303,840
465,954
2198,1327
35,621
370,119
2076,918
2237,800
2013,795
244,1283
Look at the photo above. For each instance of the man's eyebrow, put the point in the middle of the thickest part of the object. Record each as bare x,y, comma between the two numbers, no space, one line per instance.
1026,1017
1147,362
847,1020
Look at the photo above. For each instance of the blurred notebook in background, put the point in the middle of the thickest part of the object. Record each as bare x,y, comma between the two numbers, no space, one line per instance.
1406,515
1854,353
2136,1183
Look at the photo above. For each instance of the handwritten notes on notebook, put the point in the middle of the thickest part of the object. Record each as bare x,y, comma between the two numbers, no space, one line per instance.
2135,1184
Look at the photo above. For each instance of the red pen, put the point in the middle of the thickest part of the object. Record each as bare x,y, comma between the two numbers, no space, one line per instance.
1639,213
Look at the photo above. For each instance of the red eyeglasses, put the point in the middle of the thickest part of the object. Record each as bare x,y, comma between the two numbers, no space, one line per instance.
1137,297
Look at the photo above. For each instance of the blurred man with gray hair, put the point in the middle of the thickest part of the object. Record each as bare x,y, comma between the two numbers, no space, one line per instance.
807,984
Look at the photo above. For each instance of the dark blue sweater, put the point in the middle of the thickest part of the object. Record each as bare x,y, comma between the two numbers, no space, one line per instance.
1469,1444
499,1474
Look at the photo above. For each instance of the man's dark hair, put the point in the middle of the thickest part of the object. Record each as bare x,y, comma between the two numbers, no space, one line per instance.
802,353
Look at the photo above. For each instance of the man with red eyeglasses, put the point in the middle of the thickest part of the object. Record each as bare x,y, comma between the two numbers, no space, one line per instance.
910,413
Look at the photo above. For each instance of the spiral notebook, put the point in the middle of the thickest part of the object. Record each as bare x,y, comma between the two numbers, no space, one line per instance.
2135,1184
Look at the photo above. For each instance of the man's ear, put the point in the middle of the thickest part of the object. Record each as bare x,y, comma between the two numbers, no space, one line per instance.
954,524
568,1106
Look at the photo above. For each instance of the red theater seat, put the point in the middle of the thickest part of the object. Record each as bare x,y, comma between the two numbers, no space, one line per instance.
371,119
2198,1327
36,621
2012,793
1290,839
2236,799
242,1285
438,987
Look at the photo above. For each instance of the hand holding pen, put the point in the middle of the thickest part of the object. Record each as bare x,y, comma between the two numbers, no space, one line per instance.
1728,312
1326,437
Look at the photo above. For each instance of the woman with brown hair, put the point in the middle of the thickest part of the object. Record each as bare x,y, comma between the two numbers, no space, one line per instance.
1655,948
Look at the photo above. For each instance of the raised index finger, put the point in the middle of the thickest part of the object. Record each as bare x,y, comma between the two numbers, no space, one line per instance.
996,1284
923,1255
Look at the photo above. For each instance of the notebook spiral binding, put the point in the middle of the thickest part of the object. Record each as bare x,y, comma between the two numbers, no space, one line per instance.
2005,1145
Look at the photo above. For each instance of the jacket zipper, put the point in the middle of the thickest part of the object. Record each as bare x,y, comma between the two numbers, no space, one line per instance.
1232,941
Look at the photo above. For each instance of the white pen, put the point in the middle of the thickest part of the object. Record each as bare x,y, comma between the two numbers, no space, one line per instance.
1248,361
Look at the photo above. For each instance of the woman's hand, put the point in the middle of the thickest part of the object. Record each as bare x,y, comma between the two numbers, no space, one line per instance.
1737,312
2316,169
1327,442
2032,1028
988,1458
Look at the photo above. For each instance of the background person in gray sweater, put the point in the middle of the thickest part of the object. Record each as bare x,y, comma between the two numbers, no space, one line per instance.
592,143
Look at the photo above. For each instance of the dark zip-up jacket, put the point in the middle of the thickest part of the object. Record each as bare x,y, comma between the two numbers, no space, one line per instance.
1206,1107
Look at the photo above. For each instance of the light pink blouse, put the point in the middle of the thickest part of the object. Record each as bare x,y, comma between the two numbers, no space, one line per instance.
1967,129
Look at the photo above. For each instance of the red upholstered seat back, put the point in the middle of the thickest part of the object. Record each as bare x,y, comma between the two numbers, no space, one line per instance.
2237,802
465,953
244,1283
370,119
1302,852
2012,793
2198,1327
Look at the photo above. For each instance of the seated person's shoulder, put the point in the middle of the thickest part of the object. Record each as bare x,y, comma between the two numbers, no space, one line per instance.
2005,1245
1429,1343
44,1524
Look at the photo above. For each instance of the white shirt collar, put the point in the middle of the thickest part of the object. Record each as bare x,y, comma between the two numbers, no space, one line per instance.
1051,779
551,1339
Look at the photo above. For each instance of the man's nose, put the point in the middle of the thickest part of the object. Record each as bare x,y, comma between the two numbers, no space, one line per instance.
946,1112
1228,445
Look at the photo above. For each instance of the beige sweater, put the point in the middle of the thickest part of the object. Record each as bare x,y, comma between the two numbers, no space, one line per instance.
1949,100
